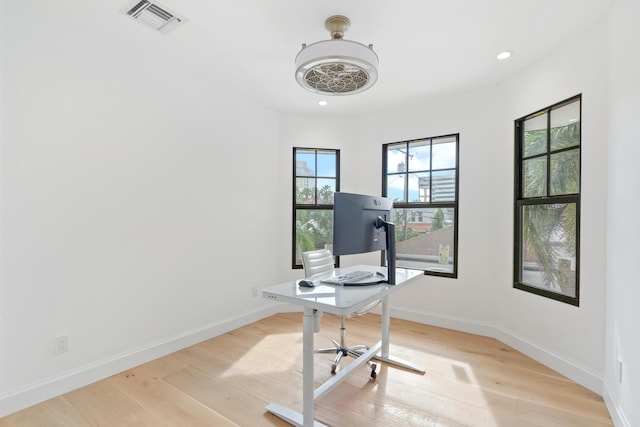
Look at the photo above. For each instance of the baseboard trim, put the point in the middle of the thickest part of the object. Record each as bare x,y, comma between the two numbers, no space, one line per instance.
617,414
569,368
47,388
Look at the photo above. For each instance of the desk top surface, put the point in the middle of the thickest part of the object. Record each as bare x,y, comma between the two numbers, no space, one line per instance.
338,299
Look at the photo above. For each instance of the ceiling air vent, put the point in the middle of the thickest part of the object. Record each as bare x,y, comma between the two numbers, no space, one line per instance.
156,16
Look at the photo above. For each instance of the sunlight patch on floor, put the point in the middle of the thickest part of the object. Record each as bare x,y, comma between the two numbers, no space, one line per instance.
266,356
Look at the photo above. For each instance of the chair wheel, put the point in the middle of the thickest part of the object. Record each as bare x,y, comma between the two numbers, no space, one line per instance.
333,368
373,375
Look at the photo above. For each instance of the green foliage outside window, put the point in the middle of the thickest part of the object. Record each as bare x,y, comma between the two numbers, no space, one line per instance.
438,220
554,222
314,229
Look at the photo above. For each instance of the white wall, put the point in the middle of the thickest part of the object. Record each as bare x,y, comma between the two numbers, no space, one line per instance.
133,194
623,227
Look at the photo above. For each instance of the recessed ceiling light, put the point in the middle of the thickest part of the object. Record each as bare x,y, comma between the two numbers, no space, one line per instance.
322,103
503,55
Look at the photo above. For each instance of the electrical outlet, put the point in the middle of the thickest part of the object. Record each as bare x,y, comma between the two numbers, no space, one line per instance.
254,291
62,344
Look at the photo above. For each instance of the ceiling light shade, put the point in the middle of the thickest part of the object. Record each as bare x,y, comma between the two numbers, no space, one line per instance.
336,66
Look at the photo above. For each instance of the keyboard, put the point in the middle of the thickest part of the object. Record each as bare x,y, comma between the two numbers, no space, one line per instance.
350,277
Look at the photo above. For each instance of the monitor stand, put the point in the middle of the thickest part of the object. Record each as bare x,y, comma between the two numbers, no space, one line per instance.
390,231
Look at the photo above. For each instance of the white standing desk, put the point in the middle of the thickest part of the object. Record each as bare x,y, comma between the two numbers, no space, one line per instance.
341,300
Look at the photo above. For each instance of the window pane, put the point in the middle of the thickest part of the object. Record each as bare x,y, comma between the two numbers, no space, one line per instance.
326,188
565,126
424,238
534,182
306,191
444,153
314,230
395,187
548,247
396,158
535,136
309,188
419,187
565,172
326,163
444,186
419,155
305,163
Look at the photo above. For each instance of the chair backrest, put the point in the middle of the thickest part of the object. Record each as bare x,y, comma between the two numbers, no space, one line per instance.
315,262
319,261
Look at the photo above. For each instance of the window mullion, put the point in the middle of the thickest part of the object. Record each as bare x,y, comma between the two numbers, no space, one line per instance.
406,172
315,178
431,170
548,152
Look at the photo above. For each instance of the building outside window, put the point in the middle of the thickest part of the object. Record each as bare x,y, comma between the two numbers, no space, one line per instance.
316,176
421,177
547,201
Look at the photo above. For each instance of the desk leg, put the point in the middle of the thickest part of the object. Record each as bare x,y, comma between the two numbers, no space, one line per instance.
293,417
384,351
386,327
308,328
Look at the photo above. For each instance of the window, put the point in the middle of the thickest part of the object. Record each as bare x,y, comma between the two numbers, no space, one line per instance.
421,177
547,202
316,176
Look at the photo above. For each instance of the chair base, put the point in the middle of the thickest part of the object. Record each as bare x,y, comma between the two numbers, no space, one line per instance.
341,350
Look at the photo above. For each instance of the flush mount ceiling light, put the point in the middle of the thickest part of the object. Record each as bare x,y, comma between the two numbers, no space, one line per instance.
336,66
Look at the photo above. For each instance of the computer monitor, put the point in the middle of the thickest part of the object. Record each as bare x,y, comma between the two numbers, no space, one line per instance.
361,224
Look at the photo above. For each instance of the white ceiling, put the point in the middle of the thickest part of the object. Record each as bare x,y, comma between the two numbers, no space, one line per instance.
427,48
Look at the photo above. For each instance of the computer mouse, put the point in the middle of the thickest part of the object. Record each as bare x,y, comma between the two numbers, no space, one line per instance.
306,284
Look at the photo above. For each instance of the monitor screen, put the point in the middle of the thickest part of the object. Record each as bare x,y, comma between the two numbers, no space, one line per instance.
361,224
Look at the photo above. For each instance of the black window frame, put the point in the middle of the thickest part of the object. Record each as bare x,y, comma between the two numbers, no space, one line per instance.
520,200
310,206
431,204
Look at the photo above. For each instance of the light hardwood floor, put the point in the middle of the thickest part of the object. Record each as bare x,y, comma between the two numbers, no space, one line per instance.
227,381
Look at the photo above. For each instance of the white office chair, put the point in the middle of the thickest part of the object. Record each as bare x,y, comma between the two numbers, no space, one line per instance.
319,261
